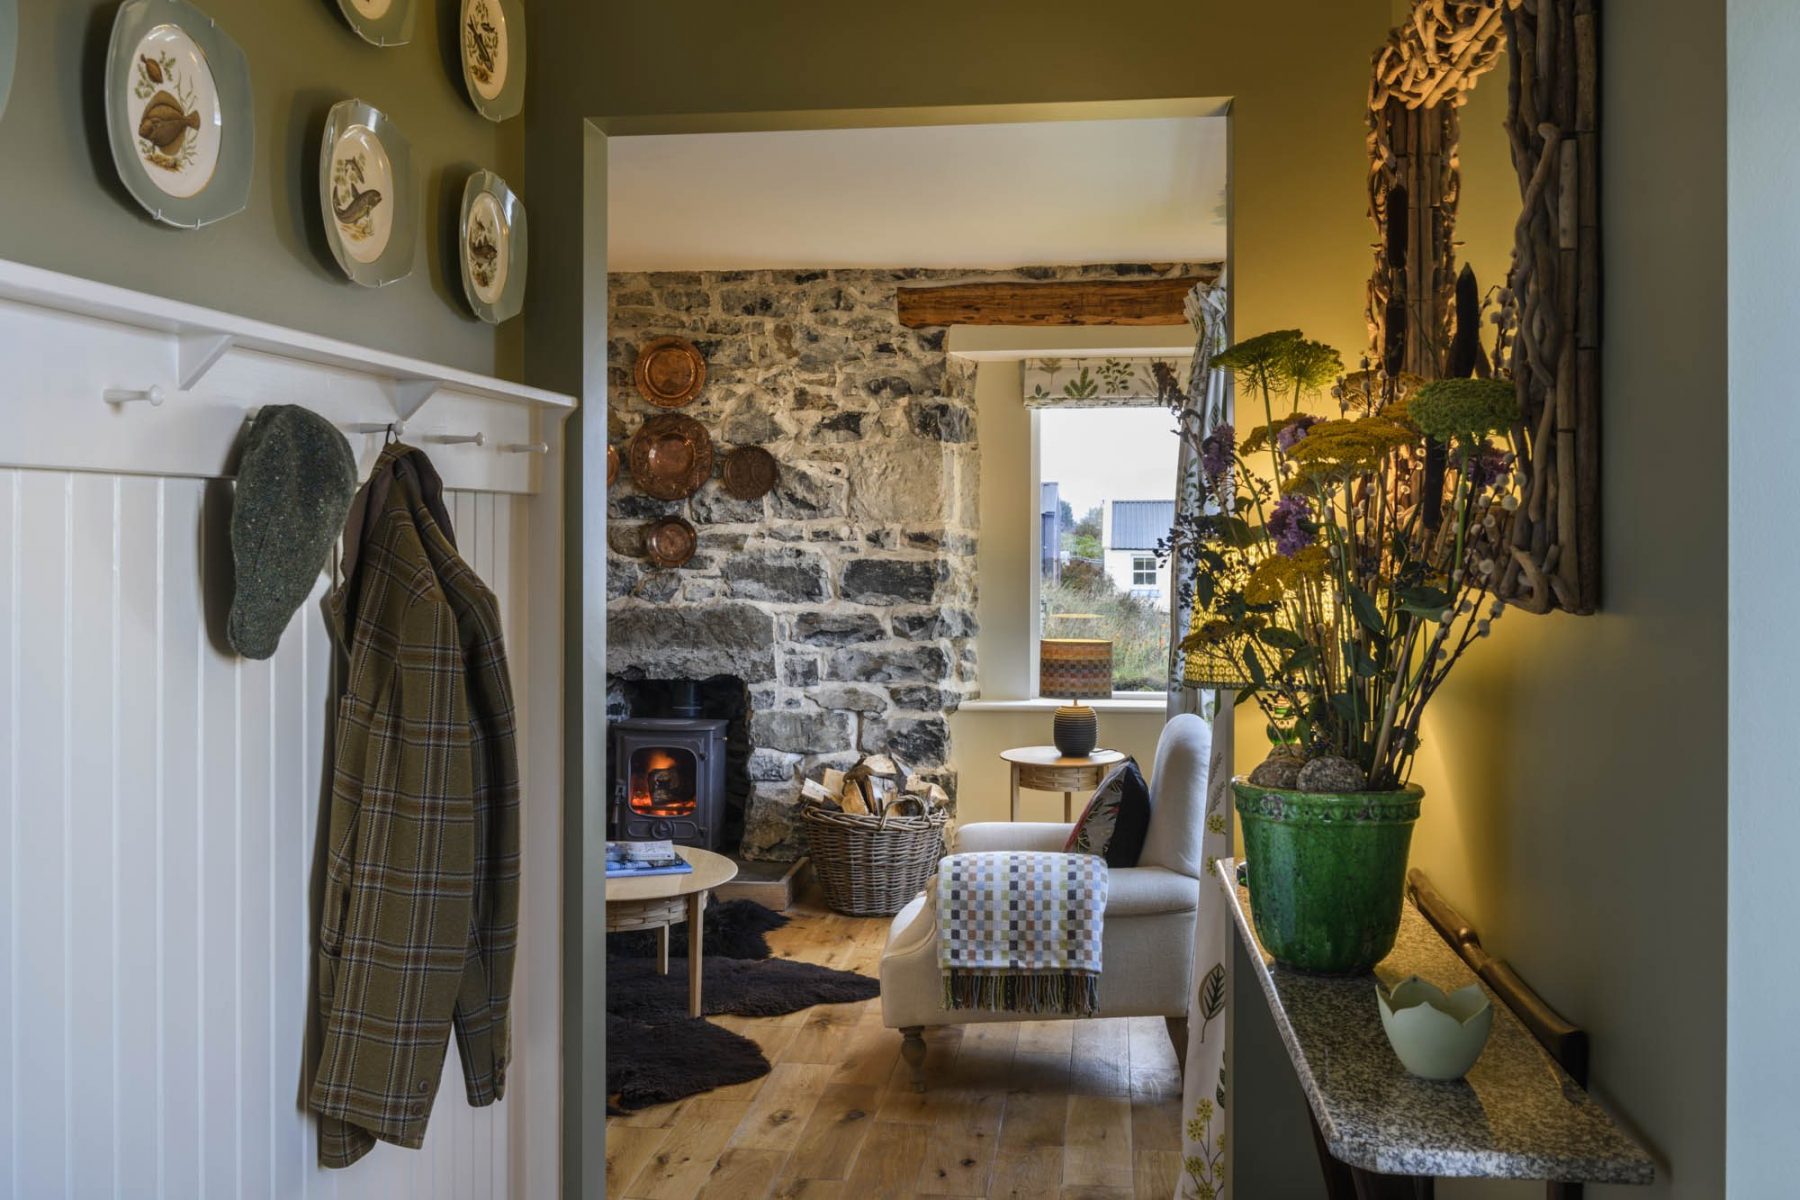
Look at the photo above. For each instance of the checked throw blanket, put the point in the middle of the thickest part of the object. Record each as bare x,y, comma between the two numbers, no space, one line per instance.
1019,931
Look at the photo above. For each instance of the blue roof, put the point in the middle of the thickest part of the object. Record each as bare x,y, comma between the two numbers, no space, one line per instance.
1140,524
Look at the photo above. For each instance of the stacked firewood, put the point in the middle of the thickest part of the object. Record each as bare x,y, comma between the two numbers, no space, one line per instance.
877,785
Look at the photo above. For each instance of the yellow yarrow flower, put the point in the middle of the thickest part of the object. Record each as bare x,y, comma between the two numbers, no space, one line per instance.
1279,574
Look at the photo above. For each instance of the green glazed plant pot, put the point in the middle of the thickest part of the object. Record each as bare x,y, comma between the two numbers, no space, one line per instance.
1327,872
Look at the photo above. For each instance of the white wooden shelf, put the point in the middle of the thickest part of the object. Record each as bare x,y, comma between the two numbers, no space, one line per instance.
102,378
203,336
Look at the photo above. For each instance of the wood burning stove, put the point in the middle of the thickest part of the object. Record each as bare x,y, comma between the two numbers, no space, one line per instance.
669,780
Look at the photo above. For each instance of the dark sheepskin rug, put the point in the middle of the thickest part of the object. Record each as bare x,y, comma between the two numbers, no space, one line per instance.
743,988
661,1063
656,1053
733,929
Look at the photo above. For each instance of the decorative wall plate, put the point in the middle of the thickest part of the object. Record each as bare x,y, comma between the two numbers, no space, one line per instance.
671,456
749,473
380,22
492,34
366,190
9,47
670,542
612,465
179,114
491,247
670,372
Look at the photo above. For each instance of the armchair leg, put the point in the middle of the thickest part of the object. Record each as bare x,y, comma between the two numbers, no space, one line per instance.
912,1049
1178,1035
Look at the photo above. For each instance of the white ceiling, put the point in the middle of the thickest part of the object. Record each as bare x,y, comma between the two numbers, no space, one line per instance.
920,196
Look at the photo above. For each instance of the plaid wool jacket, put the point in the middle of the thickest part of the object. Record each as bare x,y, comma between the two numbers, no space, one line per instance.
420,908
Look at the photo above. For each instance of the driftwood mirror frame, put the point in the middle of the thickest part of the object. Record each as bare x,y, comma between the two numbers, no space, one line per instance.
1551,306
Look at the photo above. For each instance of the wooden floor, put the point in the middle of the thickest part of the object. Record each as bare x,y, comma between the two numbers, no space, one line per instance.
1087,1109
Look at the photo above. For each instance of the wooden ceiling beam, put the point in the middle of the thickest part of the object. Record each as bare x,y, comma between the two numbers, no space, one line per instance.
1064,302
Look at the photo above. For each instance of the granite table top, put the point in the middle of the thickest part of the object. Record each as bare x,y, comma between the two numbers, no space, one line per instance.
1517,1115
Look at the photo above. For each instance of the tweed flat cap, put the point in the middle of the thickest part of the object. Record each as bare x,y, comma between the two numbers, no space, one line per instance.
294,485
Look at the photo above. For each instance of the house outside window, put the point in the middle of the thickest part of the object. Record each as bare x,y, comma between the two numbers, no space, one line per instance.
1105,499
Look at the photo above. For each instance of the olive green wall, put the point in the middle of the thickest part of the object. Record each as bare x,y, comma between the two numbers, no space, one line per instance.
66,209
1576,766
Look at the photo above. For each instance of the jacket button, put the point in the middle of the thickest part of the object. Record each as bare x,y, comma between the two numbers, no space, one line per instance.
418,1110
424,1086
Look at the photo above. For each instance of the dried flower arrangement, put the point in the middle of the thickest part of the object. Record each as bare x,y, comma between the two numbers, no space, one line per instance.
1341,583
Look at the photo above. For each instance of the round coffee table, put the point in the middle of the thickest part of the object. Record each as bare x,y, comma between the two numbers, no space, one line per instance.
1045,769
659,901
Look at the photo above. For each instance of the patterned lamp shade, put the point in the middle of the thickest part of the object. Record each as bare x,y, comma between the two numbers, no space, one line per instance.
1213,654
1075,668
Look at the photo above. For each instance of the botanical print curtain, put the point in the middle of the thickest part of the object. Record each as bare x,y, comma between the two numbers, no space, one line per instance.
1097,382
1204,1158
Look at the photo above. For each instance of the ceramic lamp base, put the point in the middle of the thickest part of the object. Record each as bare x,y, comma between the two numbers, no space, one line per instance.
1076,730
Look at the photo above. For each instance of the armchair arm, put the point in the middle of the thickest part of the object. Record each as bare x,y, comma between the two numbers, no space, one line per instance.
985,836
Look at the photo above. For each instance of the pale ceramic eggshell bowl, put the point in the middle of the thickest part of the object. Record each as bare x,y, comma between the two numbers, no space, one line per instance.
1436,1036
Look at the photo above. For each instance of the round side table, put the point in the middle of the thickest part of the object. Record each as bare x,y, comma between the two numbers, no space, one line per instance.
1044,769
659,901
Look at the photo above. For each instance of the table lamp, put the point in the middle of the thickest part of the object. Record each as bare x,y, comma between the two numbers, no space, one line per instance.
1081,669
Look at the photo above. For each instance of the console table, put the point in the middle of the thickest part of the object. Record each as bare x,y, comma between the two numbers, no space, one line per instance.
1382,1132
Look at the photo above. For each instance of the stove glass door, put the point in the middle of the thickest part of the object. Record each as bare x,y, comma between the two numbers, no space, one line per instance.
665,782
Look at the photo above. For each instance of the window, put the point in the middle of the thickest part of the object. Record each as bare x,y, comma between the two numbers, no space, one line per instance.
1106,499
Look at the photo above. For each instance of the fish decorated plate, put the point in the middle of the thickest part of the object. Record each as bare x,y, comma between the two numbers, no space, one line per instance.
492,35
178,113
379,22
491,247
9,47
366,191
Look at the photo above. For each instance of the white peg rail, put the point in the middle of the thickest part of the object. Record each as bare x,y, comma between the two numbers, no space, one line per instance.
101,378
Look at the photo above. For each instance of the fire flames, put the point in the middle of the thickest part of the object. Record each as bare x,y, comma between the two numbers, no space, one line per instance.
652,787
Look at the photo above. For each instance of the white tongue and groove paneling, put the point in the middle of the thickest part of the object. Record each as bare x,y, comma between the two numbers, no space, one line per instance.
160,820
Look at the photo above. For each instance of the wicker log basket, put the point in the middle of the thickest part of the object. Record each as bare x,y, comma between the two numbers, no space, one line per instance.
871,866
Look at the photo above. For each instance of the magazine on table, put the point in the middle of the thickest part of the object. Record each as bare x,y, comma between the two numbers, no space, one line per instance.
644,858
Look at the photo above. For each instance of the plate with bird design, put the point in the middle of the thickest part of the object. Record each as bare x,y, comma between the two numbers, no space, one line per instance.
379,22
179,113
492,34
491,238
366,191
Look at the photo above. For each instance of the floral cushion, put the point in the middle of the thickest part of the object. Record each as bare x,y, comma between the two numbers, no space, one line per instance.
1116,821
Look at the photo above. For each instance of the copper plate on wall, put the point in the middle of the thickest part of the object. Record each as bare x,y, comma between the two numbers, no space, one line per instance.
670,372
612,465
749,473
670,542
671,456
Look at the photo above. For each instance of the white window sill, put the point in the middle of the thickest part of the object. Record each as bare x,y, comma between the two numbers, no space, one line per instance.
1144,703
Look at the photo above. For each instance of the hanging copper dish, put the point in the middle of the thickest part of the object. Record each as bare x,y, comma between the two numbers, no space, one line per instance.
670,372
749,473
671,456
612,465
670,542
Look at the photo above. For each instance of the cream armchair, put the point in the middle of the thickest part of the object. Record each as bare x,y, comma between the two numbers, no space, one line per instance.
1146,950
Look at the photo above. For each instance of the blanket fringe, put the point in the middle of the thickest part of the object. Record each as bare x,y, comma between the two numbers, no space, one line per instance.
1070,993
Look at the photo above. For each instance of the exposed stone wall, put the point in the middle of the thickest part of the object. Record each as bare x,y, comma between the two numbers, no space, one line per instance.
845,599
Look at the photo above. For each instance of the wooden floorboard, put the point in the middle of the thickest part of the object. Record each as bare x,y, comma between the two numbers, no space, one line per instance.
1076,1109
